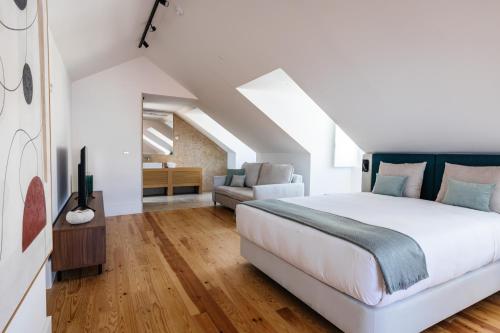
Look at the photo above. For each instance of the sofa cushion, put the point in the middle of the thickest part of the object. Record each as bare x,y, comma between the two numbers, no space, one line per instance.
231,173
238,193
252,171
275,174
238,181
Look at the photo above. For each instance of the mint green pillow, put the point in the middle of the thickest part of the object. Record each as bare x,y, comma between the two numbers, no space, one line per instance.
469,195
390,185
231,173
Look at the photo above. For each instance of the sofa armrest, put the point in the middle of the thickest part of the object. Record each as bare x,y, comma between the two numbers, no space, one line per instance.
219,181
277,191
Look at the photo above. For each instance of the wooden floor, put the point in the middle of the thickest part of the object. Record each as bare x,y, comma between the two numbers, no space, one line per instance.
178,201
180,271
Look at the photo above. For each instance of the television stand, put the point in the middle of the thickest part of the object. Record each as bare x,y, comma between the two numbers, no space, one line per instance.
80,245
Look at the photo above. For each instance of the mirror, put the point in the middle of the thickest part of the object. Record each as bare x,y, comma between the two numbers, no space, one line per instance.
157,135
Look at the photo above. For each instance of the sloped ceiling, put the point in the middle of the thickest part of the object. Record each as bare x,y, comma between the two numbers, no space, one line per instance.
93,35
396,75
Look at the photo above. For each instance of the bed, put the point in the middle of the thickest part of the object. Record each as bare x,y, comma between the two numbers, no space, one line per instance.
344,283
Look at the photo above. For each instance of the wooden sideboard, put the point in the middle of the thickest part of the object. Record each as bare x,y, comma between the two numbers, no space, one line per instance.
172,177
80,245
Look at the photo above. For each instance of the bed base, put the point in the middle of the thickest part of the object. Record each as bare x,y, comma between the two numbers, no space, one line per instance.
412,314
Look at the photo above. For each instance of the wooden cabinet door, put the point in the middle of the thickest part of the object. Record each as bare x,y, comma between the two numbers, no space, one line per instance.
153,178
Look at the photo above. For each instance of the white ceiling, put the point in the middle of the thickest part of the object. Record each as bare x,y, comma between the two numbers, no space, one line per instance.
161,103
93,35
396,75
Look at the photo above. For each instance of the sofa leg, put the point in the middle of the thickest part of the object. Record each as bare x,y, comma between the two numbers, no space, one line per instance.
215,203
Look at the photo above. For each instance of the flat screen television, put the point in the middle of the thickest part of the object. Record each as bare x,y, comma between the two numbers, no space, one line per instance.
82,183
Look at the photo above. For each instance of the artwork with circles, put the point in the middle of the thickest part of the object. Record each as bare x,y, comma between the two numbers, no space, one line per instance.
25,221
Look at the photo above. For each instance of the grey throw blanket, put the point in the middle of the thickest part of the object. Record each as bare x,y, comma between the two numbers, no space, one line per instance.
399,256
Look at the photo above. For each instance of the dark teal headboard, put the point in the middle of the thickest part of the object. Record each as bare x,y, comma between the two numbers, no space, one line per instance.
435,166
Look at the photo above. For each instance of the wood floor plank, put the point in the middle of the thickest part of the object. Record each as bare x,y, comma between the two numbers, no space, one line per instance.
244,322
484,325
291,318
205,322
180,271
193,286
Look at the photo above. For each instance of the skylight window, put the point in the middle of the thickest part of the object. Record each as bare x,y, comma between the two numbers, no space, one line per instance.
278,96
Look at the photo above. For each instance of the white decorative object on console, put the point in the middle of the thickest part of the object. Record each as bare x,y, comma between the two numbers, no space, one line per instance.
80,216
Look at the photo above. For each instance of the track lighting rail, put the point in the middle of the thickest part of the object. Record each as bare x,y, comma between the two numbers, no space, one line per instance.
149,24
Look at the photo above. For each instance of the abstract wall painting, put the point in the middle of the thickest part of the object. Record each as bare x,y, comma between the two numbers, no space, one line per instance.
34,215
25,228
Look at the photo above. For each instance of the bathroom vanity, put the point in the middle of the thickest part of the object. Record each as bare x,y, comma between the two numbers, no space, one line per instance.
171,178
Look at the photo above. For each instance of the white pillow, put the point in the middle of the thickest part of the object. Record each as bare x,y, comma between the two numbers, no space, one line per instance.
414,172
252,172
472,174
275,174
238,181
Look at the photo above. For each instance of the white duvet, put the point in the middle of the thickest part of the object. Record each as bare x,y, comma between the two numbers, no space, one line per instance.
455,241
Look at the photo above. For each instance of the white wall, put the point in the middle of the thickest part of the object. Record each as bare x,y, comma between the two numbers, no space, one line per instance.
60,108
107,118
60,102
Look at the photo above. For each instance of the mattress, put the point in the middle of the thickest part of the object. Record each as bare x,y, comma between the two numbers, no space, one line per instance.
455,241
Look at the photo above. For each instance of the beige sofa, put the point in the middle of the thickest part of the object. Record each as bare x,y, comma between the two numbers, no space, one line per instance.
262,181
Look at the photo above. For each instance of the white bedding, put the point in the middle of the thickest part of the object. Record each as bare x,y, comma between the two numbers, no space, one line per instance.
455,241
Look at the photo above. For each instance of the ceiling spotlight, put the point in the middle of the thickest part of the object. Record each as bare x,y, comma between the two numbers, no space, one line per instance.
164,3
153,28
145,44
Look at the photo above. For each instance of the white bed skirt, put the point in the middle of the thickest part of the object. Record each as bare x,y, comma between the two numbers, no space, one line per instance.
412,314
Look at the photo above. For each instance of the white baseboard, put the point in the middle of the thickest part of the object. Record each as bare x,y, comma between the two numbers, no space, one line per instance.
47,327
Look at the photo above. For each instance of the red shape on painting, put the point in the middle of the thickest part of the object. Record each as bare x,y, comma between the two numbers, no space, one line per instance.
34,217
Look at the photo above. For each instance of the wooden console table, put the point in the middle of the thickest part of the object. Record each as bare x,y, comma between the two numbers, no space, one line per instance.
80,245
172,177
